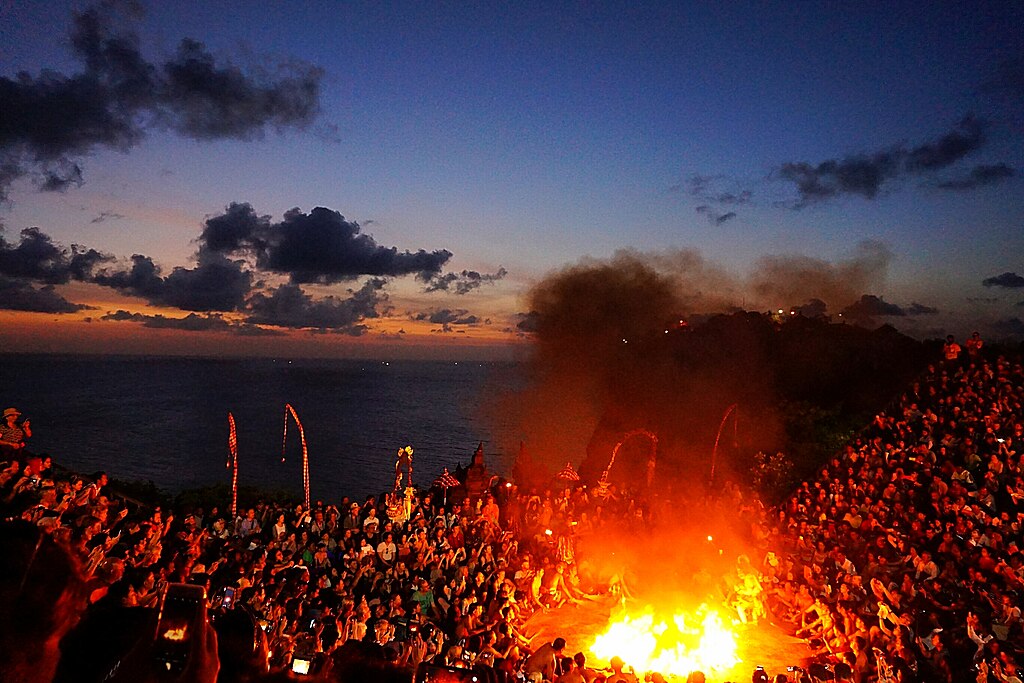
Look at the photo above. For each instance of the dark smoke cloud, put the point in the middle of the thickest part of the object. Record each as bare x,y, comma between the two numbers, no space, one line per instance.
18,295
865,175
190,323
36,257
216,284
1008,280
318,247
289,306
979,177
776,280
49,120
464,282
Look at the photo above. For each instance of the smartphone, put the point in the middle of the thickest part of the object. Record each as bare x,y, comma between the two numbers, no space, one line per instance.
229,597
181,607
300,665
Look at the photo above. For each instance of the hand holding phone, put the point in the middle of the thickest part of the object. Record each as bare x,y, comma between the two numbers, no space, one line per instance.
182,616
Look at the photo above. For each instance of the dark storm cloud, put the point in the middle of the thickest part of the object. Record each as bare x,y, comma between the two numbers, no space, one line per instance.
49,120
190,323
19,295
464,282
318,247
289,306
1007,280
36,257
715,217
215,284
866,174
978,177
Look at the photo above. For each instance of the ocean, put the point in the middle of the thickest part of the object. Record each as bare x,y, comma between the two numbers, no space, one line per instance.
165,419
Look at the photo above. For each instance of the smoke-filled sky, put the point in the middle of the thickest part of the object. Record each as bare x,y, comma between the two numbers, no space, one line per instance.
315,178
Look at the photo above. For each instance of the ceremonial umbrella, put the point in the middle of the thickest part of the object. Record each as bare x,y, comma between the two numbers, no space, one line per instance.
568,473
446,481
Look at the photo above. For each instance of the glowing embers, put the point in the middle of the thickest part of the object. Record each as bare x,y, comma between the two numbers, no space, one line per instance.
677,646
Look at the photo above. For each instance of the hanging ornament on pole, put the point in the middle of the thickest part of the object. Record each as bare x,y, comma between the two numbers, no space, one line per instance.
288,410
232,462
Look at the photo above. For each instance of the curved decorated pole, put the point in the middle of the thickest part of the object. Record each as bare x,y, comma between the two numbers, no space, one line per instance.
232,462
305,453
651,460
714,451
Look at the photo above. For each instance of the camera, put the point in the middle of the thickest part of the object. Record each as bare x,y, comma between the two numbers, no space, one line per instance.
181,606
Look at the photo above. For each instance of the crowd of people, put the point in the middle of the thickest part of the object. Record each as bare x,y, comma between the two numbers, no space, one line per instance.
901,560
340,591
898,562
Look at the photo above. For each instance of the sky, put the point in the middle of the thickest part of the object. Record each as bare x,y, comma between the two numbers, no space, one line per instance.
396,179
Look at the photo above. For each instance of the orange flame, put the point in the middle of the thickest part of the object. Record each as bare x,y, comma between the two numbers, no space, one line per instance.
676,646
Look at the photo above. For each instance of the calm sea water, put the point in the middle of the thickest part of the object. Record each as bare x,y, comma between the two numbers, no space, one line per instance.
165,419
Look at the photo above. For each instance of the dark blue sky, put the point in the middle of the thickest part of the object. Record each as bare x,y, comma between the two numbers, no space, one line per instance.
529,136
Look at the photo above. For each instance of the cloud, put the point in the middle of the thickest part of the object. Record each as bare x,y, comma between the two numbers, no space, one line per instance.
921,309
714,217
464,282
527,322
18,295
866,174
1007,280
715,188
967,136
813,308
105,216
190,323
870,306
448,318
1010,327
215,284
36,257
978,177
289,306
318,247
862,175
49,120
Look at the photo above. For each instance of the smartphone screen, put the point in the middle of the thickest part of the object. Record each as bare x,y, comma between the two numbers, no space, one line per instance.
229,597
300,666
180,607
